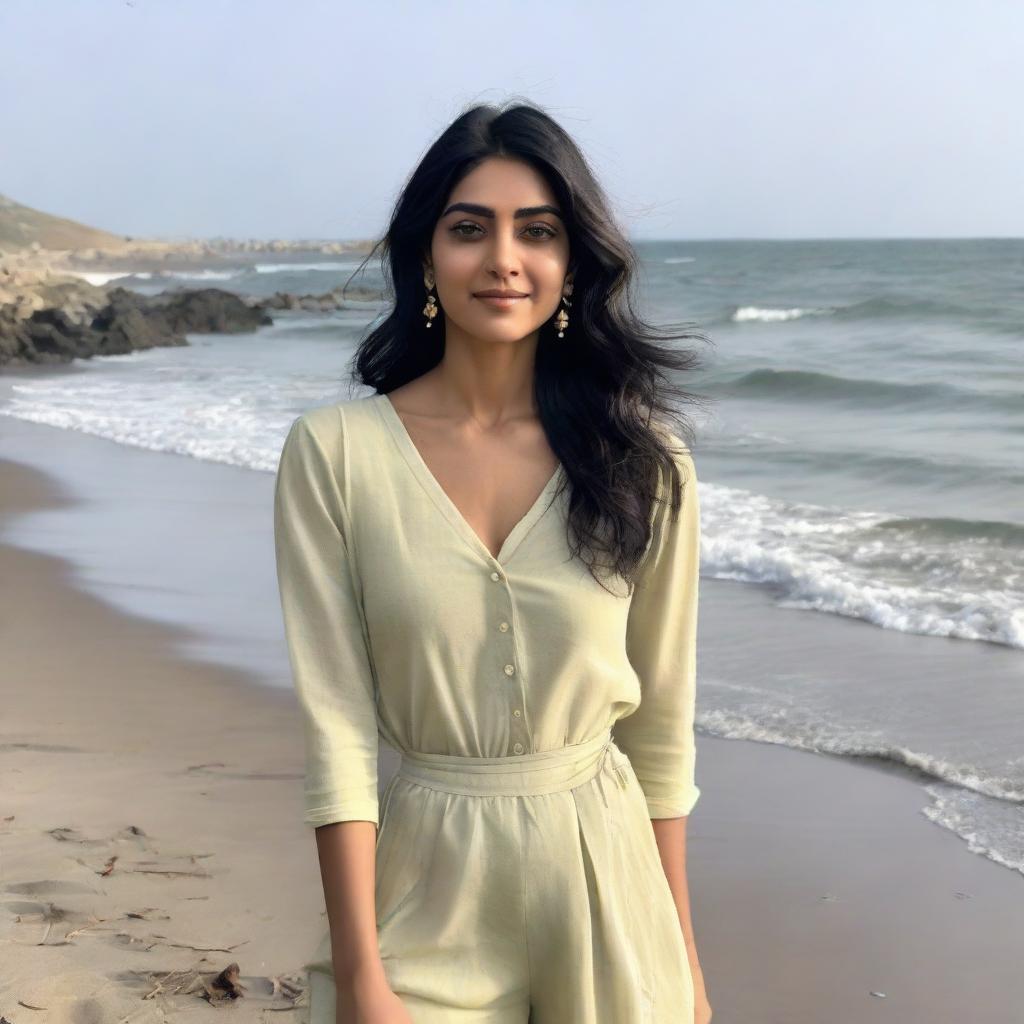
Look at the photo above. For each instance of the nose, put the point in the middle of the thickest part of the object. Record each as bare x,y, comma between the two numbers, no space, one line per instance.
502,259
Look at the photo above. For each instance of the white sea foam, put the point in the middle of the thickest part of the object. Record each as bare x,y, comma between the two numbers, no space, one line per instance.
981,806
289,268
768,315
990,828
205,274
99,277
790,724
834,560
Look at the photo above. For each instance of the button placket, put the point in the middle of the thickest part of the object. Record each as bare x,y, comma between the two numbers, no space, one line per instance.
517,729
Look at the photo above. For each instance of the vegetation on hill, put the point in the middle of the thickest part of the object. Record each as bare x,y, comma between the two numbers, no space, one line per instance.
22,227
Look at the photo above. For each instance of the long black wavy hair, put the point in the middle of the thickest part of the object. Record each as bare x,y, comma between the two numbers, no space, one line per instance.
603,389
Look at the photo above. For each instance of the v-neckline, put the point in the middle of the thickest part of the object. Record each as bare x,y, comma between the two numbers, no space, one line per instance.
448,507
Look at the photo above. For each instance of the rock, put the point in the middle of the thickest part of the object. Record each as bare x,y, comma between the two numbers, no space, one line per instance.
211,310
128,323
125,322
320,303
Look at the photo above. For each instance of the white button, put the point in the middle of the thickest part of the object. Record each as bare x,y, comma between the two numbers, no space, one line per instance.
503,627
495,576
517,713
518,748
509,669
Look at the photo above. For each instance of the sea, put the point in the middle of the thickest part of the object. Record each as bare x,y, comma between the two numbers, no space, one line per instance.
860,455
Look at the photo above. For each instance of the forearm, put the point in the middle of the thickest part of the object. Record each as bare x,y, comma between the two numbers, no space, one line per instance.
346,850
670,834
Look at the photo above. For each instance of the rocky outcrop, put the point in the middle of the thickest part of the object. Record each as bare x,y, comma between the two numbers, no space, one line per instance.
26,287
125,322
319,303
195,310
48,315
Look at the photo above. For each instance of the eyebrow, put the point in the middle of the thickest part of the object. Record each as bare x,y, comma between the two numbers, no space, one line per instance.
486,211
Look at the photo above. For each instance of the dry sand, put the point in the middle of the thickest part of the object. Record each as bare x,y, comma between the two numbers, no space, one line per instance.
150,811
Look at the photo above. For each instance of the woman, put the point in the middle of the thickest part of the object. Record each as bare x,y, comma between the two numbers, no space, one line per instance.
492,563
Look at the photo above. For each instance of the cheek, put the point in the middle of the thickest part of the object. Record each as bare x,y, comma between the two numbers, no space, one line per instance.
456,264
550,265
548,278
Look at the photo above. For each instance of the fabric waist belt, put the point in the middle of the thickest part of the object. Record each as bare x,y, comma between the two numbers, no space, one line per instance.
548,771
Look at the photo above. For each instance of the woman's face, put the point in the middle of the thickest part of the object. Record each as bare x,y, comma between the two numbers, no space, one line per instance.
500,229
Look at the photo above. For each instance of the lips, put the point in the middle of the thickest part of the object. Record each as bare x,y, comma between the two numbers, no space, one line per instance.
500,300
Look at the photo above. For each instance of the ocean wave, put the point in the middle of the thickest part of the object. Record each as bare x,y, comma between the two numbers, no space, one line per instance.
811,385
772,315
291,268
100,277
902,307
928,577
993,830
980,805
783,721
202,275
879,307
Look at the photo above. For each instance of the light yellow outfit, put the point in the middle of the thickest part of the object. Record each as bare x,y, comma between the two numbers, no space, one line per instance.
542,722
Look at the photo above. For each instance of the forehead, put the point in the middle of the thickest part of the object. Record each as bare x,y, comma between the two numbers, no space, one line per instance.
503,182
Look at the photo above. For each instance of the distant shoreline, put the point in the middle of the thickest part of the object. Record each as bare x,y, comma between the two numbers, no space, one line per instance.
152,255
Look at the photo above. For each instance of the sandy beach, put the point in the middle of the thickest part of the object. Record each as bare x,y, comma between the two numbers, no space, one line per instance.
150,831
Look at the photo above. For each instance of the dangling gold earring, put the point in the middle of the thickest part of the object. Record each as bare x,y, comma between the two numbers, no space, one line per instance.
562,320
430,309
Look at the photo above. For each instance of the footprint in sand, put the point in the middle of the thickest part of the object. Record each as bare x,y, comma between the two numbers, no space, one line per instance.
50,887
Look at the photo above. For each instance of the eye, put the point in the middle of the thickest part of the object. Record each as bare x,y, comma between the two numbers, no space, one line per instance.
537,232
457,229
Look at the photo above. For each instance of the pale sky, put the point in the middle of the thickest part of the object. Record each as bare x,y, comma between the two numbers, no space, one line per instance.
710,119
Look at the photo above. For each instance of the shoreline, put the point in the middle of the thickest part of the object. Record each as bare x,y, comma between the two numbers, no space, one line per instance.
814,881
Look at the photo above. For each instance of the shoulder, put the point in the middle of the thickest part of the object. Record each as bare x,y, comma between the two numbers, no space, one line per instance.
330,426
679,451
340,445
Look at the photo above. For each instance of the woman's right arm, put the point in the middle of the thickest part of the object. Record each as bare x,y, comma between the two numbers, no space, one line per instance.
320,602
347,867
362,993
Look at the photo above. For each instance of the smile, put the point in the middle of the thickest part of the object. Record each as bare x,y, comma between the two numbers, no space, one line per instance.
501,301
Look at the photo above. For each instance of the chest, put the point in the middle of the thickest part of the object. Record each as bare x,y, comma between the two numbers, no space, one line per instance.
490,486
425,572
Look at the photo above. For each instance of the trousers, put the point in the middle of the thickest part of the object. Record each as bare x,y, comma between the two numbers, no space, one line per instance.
522,890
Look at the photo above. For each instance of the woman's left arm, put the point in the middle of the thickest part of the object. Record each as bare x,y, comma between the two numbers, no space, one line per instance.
670,834
658,737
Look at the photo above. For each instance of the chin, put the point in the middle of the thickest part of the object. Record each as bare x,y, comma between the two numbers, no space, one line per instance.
509,332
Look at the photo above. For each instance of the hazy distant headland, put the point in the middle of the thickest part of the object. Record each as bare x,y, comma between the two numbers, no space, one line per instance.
42,239
50,313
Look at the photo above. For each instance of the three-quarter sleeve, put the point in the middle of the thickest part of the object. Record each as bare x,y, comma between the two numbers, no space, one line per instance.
323,627
661,642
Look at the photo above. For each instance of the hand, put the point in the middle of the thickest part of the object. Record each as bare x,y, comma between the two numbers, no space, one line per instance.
701,1006
367,999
